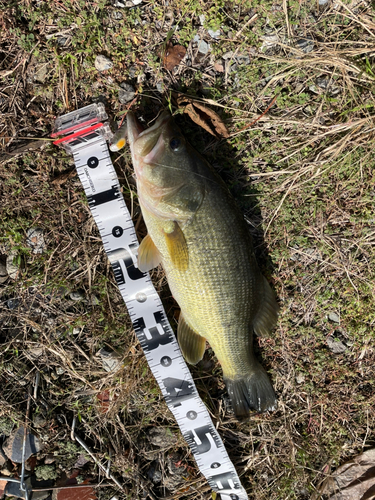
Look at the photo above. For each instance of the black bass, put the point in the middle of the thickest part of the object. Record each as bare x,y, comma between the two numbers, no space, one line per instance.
200,237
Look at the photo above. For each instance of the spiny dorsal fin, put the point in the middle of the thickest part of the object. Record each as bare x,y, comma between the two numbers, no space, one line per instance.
266,318
191,343
176,244
148,255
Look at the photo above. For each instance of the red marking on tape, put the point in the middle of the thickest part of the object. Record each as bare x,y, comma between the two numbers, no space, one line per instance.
78,134
74,127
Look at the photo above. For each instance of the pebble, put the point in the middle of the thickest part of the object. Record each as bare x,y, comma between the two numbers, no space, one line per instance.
162,437
300,378
102,63
228,55
202,18
13,445
335,345
269,41
60,371
126,93
334,317
11,265
78,295
35,240
61,40
160,87
39,420
117,15
111,360
3,273
305,44
203,47
154,474
34,353
13,303
214,34
41,73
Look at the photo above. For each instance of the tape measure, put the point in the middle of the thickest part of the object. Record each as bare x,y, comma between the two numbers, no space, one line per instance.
84,134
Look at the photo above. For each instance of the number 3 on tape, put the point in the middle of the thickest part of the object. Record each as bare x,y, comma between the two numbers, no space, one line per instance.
83,134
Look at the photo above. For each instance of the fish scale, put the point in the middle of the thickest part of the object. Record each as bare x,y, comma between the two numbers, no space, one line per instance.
204,246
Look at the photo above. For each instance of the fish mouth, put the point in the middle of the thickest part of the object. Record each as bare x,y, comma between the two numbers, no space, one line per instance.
147,144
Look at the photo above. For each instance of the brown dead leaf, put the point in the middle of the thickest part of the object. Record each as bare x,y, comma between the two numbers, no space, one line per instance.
203,116
354,480
173,55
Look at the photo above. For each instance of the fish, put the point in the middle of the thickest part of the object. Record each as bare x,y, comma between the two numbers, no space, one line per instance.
196,231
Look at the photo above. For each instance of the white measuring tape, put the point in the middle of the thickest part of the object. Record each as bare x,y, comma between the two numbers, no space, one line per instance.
85,136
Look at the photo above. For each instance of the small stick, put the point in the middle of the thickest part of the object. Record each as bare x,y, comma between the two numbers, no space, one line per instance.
256,119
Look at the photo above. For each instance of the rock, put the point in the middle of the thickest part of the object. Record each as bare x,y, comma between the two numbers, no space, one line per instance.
202,18
305,44
49,459
13,445
335,318
335,345
323,3
3,273
111,360
300,378
78,295
12,265
214,34
177,473
269,41
218,66
2,460
81,462
126,93
13,303
61,40
203,47
60,371
136,2
35,239
154,473
228,55
34,353
102,63
41,73
39,420
162,437
117,15
160,87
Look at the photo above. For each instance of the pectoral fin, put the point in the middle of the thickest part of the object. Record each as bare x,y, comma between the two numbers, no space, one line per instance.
191,343
148,255
266,318
176,244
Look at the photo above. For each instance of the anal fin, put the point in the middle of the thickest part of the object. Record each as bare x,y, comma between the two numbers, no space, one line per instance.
191,343
266,317
148,255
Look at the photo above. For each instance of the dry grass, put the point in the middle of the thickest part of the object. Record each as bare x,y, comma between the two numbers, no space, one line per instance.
303,173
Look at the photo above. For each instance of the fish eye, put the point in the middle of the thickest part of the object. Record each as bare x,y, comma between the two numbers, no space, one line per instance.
175,144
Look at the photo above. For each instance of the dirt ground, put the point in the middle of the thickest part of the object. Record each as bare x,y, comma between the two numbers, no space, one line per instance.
294,83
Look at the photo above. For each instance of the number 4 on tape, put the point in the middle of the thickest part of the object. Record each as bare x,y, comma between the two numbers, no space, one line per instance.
84,134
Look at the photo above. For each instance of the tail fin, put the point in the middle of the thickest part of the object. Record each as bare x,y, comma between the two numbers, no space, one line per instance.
251,392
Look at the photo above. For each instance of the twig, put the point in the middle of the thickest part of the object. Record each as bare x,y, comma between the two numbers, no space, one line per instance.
256,119
85,447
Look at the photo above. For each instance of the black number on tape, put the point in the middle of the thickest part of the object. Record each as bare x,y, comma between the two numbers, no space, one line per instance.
122,255
201,439
150,338
104,197
117,231
178,390
224,481
92,162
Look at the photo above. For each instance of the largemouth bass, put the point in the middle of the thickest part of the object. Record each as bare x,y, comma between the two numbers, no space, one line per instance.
200,237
